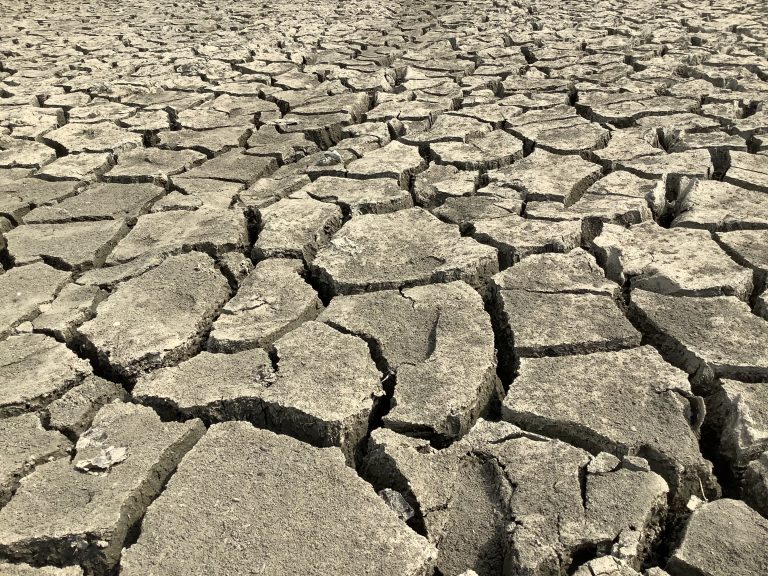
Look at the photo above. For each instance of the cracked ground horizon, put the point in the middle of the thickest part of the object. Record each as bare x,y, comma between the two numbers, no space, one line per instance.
391,288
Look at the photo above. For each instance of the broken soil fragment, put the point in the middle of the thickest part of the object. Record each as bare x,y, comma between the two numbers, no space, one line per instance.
396,501
106,459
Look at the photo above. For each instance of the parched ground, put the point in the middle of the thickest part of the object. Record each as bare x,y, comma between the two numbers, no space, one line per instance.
380,288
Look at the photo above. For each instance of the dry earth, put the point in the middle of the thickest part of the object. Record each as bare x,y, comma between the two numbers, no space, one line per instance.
384,288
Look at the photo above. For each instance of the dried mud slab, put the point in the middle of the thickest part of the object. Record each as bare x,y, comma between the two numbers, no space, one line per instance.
748,171
216,194
574,272
627,145
677,165
401,249
440,182
437,343
547,176
73,413
34,370
108,277
96,137
157,318
73,305
272,300
610,566
676,261
559,130
100,202
24,289
639,406
24,444
720,207
322,388
618,198
750,249
707,337
295,228
739,411
722,537
593,210
395,160
17,153
84,166
624,109
557,324
488,203
207,230
503,499
75,246
516,238
448,127
209,142
62,514
18,197
233,166
325,130
285,148
152,165
491,151
355,197
291,493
